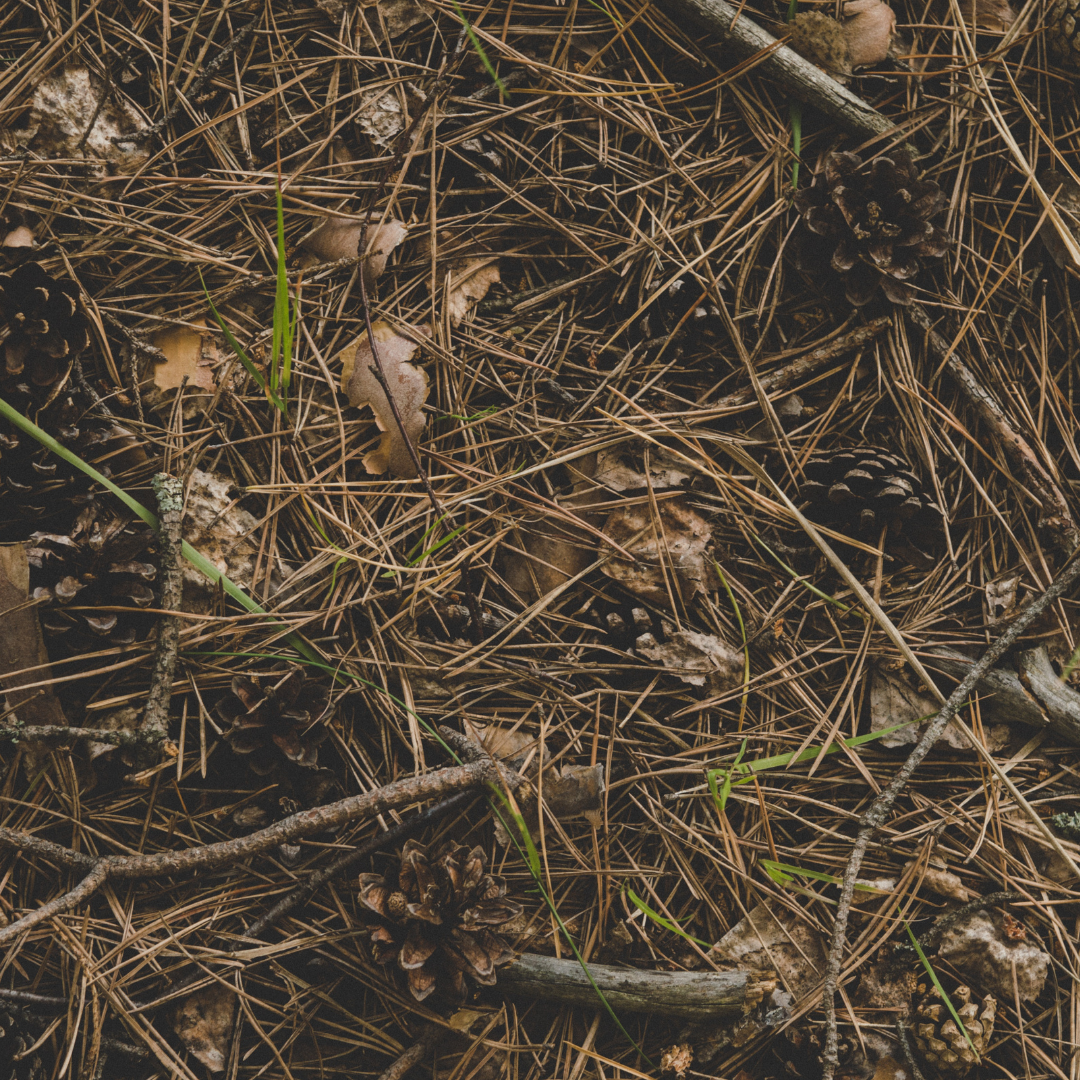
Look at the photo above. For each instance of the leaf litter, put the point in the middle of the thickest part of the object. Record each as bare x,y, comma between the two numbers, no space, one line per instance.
614,281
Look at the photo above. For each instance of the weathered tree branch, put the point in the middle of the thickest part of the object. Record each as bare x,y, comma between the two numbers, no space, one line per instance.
809,84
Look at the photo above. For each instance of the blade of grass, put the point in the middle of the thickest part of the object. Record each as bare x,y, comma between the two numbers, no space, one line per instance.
475,42
940,989
252,370
798,577
659,919
198,560
281,350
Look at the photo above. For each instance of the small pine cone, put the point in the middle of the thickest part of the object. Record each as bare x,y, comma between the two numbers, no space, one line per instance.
77,578
866,489
438,920
276,716
941,1044
16,1038
1063,32
797,1052
870,222
46,330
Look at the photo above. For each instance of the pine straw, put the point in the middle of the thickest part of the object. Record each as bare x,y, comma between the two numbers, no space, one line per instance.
631,157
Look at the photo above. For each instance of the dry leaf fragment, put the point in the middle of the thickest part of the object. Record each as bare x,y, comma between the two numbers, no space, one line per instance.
775,938
1066,195
677,1059
394,16
19,237
380,115
945,883
995,16
61,110
407,383
339,238
508,744
696,657
468,285
860,40
678,545
869,26
979,949
203,1023
617,469
188,352
1001,598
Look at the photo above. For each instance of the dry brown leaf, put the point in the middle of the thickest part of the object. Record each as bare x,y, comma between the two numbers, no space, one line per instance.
393,16
19,237
677,1059
869,26
468,285
679,545
61,110
1066,195
1001,597
945,883
506,744
774,938
575,791
696,658
618,469
22,647
224,533
188,352
893,701
339,238
981,953
996,16
406,382
203,1023
380,116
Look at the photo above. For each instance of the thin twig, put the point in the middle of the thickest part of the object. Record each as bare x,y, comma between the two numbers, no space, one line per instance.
412,1056
155,725
879,809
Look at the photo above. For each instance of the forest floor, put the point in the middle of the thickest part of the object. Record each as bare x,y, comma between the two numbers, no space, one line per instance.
574,535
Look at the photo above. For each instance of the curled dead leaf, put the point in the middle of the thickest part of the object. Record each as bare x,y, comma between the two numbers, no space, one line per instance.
73,114
339,238
468,285
407,383
203,1023
869,26
189,352
673,551
696,658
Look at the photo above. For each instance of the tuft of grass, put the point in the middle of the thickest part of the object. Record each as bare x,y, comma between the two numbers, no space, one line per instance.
475,42
940,989
659,919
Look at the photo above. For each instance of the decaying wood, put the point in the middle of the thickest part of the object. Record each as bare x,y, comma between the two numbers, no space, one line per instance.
700,996
809,84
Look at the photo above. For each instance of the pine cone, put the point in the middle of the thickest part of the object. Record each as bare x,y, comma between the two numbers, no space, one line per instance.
438,914
871,223
798,1052
101,564
46,330
938,1040
275,720
16,1037
865,489
1063,32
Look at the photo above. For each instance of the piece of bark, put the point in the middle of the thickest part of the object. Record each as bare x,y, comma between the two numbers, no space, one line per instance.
702,996
1035,696
799,77
22,647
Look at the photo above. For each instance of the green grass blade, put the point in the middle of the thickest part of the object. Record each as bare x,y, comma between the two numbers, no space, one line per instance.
281,352
252,370
475,42
783,873
796,133
659,919
940,989
198,560
798,577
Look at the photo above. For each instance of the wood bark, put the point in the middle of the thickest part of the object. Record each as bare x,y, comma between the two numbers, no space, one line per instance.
799,77
698,996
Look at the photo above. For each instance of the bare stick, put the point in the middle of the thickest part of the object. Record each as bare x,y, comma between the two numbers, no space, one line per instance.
394,796
879,809
798,76
155,724
1054,510
413,1056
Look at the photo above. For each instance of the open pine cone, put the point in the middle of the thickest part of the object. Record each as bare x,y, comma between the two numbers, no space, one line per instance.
46,330
941,1044
866,489
276,716
77,577
871,223
1063,32
798,1051
438,918
17,1035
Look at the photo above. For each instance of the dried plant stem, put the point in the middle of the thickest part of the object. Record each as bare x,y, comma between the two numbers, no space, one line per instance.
879,809
155,725
435,785
1054,510
412,1056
